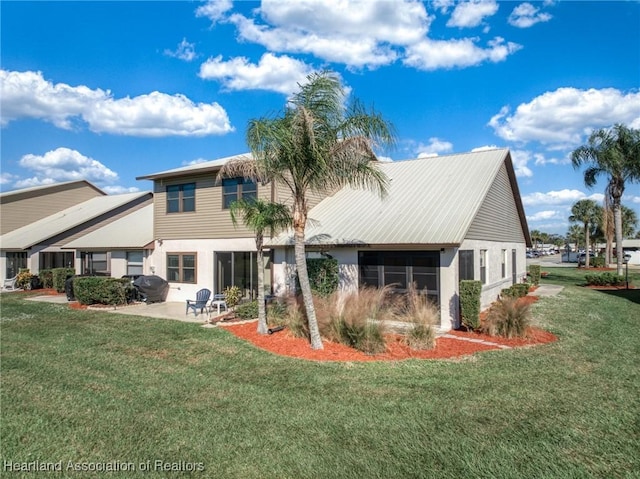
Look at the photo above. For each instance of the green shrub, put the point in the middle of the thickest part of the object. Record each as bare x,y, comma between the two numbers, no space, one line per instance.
508,293
323,275
534,269
520,290
247,310
100,290
597,262
46,276
509,318
604,279
59,276
470,291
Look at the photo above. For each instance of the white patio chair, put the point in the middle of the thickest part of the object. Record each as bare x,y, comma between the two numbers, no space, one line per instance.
10,284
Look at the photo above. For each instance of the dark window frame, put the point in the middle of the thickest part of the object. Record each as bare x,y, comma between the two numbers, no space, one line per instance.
90,263
245,188
181,268
185,202
484,260
466,266
373,269
15,261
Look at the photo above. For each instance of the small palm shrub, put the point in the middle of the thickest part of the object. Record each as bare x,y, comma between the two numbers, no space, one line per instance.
509,318
232,295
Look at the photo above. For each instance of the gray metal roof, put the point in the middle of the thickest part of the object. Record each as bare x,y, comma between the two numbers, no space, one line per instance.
429,201
44,188
203,167
58,223
134,231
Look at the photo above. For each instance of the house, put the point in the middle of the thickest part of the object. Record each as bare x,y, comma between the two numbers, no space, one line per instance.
196,243
444,219
43,243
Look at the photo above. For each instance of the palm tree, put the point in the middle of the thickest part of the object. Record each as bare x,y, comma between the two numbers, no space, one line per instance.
317,145
629,222
585,212
615,153
576,235
261,216
535,237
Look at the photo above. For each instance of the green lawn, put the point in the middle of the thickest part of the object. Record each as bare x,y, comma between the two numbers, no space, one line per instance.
93,388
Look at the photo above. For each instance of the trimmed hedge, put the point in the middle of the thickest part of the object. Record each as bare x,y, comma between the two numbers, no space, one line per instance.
46,276
59,276
534,269
470,291
101,290
518,290
604,279
597,262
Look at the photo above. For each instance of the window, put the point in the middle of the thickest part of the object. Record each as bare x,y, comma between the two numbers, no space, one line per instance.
401,268
50,260
181,198
239,268
236,188
483,266
181,267
15,262
95,263
504,263
465,264
134,262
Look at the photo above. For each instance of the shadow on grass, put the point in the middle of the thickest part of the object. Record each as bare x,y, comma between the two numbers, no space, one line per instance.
632,295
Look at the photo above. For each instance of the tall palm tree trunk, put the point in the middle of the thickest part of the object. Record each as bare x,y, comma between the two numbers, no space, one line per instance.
262,309
617,218
586,245
305,287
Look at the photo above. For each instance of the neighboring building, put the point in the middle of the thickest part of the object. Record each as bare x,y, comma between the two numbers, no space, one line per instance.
632,248
42,244
22,207
445,219
121,247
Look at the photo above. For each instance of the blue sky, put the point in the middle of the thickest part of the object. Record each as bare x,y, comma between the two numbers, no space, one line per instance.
107,91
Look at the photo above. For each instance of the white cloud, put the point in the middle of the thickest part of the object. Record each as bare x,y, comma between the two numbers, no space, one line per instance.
358,33
281,74
472,13
561,197
118,190
434,148
546,215
562,118
434,54
442,5
29,95
64,164
520,159
6,178
541,160
632,199
214,10
157,114
526,15
185,51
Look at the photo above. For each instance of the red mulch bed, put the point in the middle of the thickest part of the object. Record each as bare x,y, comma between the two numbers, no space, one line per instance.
285,344
39,292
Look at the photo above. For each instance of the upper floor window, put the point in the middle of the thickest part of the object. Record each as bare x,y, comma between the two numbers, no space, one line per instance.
236,188
181,198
